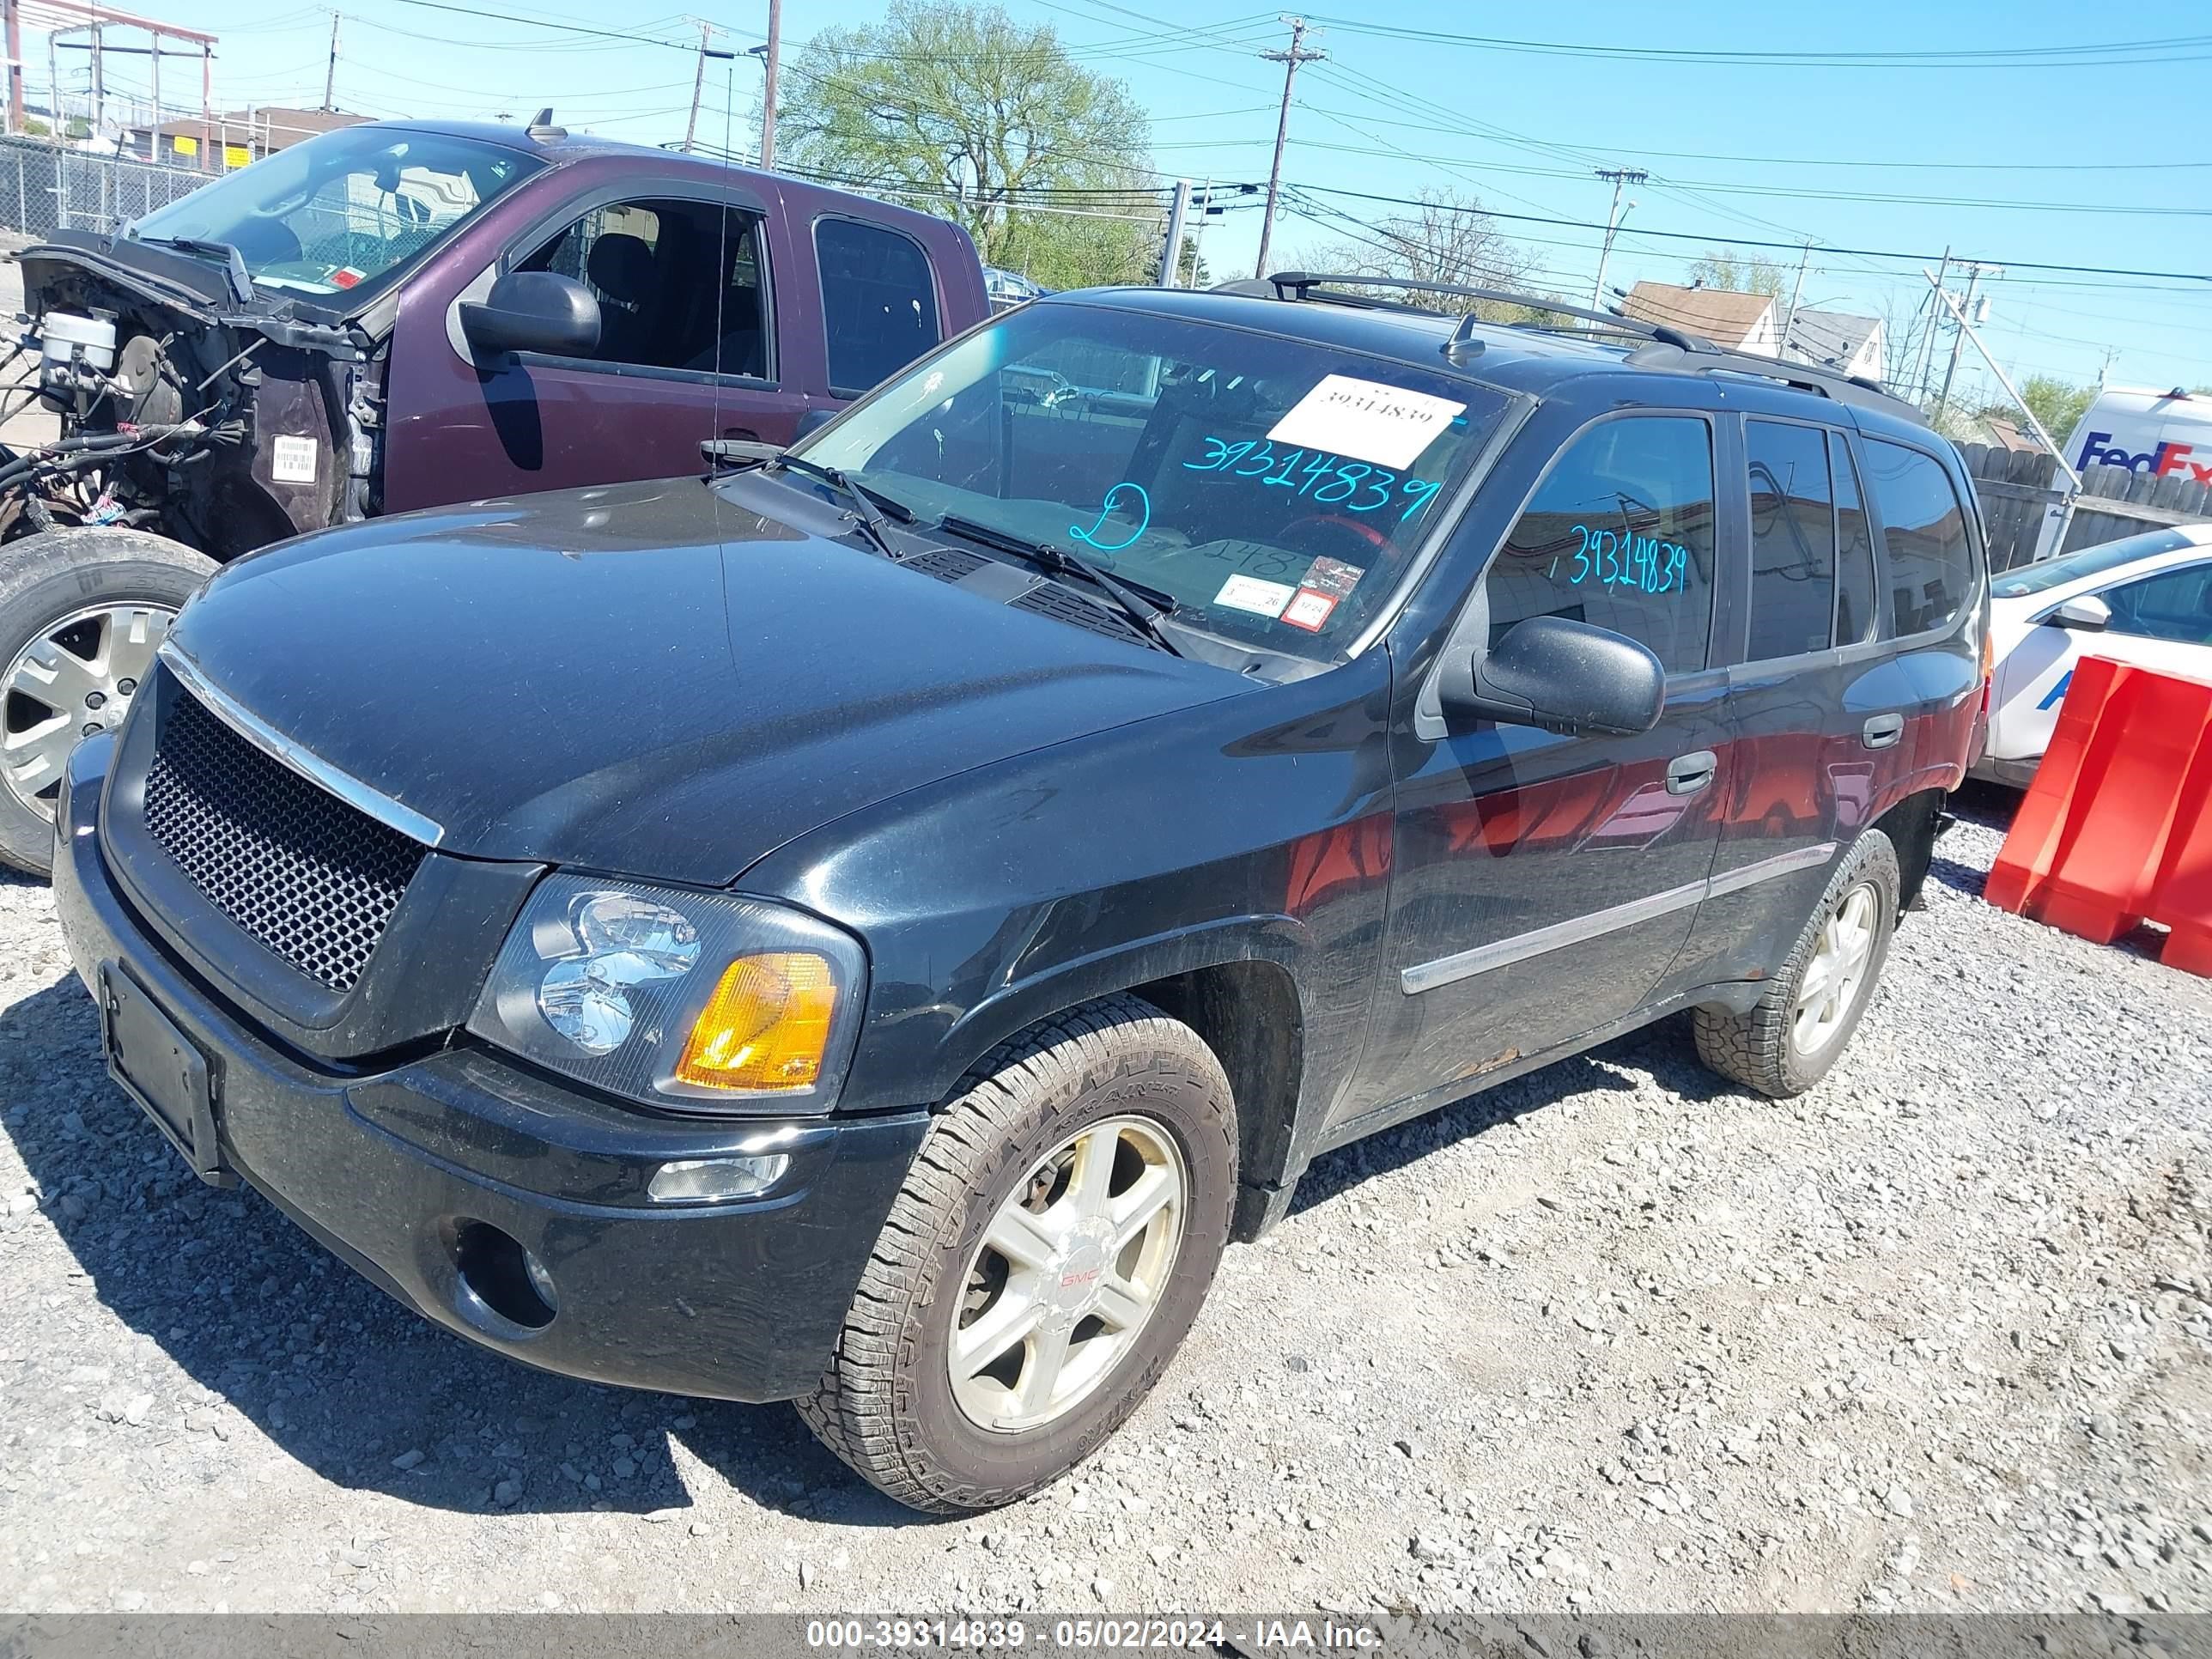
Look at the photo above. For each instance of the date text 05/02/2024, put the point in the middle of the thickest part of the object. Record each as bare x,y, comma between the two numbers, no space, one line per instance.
1089,1635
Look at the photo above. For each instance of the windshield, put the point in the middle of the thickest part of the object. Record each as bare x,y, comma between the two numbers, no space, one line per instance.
343,209
2089,562
1275,487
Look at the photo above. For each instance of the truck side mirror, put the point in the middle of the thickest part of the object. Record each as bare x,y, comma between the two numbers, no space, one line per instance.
532,311
1562,676
2084,611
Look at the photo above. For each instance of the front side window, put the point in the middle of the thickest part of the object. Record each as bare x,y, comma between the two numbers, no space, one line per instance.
343,210
878,301
1275,489
1924,523
678,284
1793,540
1620,535
2174,605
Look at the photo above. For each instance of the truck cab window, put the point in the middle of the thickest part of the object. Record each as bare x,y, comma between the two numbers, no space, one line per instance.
678,284
878,301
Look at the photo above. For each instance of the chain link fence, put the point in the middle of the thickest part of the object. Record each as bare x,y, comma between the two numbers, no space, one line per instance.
45,188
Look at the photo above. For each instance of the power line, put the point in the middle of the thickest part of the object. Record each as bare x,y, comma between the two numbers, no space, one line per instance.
1696,236
2082,54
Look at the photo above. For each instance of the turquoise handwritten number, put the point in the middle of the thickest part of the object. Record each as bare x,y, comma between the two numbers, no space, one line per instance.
1353,485
1143,509
1613,559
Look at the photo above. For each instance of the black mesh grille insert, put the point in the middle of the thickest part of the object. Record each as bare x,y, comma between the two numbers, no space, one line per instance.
308,876
1052,600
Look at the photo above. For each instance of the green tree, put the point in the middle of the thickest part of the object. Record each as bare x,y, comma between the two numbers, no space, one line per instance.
1720,269
2058,404
990,123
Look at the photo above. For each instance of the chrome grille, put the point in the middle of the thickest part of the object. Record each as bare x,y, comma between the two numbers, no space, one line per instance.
311,878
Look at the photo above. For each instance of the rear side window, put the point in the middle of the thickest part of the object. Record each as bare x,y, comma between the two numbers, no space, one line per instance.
1793,540
1620,535
1855,605
878,301
1924,529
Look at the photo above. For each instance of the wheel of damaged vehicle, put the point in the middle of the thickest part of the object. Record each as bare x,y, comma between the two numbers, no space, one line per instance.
1799,1027
82,614
1049,1249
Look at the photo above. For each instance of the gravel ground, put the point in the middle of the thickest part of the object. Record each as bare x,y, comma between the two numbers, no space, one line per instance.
1937,1336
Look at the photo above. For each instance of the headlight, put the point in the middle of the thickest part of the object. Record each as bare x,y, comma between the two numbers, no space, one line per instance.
699,1001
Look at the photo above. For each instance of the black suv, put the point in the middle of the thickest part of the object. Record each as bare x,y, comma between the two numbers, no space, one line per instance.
869,926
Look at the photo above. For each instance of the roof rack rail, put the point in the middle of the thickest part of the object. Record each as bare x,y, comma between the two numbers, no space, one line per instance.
1805,377
1300,284
1665,347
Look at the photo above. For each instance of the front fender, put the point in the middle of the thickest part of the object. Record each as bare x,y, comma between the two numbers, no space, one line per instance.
1252,829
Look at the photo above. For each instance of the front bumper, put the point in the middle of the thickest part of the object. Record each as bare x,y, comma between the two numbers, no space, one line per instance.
388,1167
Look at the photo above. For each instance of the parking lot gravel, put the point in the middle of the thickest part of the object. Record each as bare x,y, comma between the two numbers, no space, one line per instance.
1937,1336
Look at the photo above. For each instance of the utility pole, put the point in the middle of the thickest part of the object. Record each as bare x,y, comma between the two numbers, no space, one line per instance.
768,84
1290,60
330,74
99,89
1620,176
698,85
1927,364
1974,270
1198,231
1796,293
15,13
1171,256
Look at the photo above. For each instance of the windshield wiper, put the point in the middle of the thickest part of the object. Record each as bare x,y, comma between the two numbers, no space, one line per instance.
232,261
1146,607
870,506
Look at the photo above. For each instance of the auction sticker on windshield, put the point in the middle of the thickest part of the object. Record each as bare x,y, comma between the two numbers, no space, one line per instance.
1250,593
1387,425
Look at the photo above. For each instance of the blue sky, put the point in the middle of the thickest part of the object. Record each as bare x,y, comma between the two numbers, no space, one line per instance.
2094,158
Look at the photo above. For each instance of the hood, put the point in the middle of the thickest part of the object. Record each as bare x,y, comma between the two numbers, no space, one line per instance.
647,678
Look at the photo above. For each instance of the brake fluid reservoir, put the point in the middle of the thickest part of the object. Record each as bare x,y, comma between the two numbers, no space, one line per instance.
62,338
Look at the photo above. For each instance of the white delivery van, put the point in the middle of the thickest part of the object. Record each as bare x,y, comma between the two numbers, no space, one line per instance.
2167,434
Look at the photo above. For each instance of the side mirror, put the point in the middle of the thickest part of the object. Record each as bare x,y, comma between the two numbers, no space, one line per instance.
2085,611
533,310
1563,676
812,420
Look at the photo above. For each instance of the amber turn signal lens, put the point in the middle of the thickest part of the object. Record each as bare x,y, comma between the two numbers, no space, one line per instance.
765,1027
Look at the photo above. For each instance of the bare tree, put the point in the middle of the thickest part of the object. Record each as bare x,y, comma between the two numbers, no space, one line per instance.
1447,239
1720,269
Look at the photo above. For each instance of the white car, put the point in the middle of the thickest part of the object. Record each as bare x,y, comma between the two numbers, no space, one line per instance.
2146,599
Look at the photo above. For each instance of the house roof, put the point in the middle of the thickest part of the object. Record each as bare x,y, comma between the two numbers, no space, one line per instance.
1721,315
1833,338
270,125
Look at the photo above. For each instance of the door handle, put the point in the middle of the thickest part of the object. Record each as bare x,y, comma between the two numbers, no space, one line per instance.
1882,731
1687,773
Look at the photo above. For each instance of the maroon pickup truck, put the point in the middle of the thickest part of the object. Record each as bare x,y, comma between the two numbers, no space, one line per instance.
401,315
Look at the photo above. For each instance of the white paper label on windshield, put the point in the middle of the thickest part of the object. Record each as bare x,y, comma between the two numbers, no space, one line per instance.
292,460
1250,593
1365,420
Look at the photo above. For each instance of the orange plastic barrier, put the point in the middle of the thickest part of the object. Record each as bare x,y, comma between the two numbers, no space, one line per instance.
2115,831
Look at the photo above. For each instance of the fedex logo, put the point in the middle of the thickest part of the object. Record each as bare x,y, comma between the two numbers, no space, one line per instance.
2168,460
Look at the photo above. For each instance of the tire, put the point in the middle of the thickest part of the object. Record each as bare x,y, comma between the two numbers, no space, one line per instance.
888,1404
1768,1049
54,589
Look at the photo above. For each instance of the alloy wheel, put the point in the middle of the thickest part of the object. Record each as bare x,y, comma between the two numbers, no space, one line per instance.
76,678
1069,1270
1838,969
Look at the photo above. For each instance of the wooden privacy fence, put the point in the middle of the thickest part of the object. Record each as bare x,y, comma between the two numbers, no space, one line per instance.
2021,491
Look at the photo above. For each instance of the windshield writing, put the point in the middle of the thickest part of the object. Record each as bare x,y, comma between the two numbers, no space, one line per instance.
1275,489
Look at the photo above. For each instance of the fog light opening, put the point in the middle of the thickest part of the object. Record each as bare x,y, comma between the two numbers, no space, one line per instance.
502,1278
717,1180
